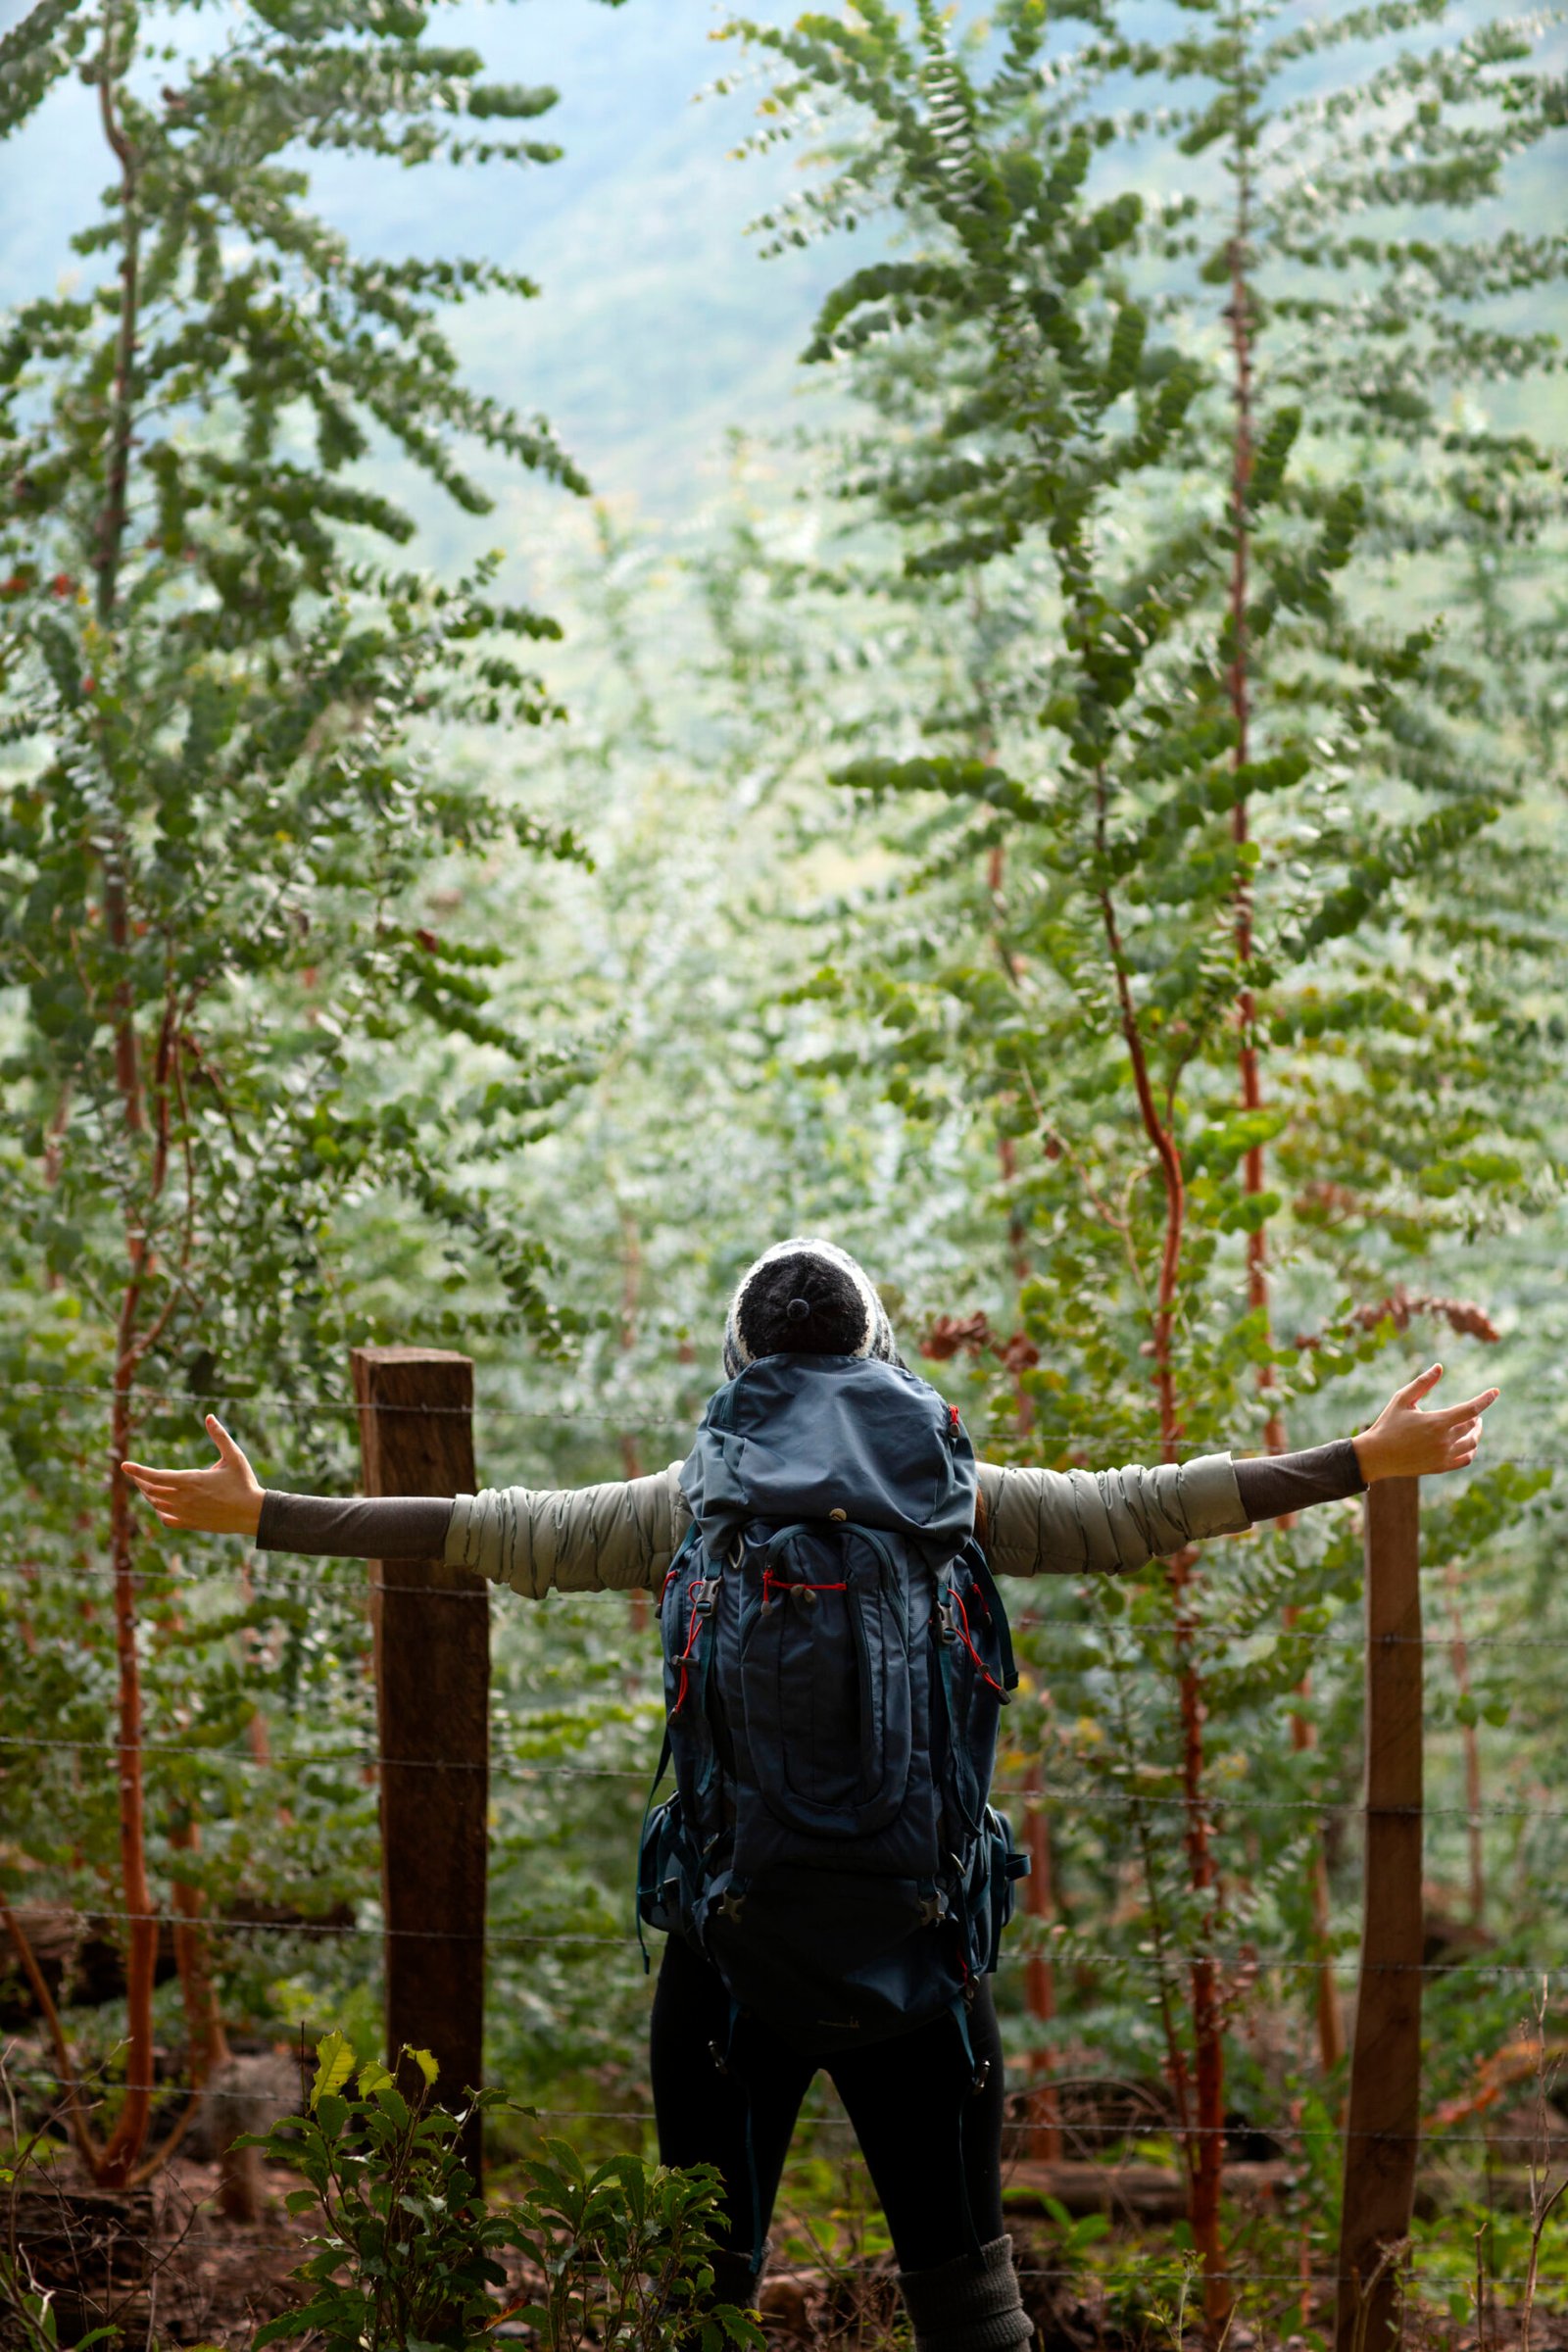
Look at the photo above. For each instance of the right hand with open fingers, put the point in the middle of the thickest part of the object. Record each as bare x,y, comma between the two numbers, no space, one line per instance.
224,1499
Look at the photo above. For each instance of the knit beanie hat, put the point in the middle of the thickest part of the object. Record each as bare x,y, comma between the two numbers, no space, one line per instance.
809,1298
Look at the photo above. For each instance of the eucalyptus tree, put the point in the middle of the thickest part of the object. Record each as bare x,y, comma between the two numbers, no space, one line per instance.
224,695
1240,844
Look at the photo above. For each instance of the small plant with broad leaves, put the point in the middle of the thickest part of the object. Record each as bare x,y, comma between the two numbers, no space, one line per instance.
626,2253
407,2254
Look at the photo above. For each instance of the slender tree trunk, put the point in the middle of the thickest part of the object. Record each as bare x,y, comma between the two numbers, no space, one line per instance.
125,2141
1040,1977
129,2133
241,2188
1205,2162
1206,2159
204,2024
1242,320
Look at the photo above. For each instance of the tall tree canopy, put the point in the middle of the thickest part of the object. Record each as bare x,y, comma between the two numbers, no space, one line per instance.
220,689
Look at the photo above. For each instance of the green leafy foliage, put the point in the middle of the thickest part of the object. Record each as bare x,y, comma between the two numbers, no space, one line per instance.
626,2253
1168,410
406,2253
234,1033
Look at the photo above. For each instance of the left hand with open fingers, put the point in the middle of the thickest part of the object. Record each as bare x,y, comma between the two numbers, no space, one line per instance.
1404,1442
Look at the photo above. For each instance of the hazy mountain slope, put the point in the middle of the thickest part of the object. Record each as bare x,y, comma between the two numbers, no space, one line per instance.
659,323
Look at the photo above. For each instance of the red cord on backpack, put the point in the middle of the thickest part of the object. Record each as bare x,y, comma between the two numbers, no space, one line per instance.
785,1583
963,1627
691,1642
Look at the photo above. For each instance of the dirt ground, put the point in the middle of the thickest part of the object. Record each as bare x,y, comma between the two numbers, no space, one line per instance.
166,2267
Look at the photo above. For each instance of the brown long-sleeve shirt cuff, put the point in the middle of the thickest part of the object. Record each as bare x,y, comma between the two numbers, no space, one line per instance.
1293,1482
362,1527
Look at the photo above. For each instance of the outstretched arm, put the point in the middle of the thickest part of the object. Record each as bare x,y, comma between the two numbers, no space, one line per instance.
617,1537
1052,1522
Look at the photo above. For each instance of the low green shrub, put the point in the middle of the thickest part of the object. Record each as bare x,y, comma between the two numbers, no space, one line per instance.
408,2256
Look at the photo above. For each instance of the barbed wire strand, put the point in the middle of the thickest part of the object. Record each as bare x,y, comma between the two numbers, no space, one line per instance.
268,1587
1147,2128
237,1401
1213,1800
1070,1955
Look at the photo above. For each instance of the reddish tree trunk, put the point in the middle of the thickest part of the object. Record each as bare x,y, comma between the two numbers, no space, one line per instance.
125,2141
1205,2160
1330,2026
129,2132
242,2185
1040,1978
203,2023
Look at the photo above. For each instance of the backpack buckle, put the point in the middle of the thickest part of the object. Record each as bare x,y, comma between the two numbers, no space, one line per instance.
947,1617
704,1595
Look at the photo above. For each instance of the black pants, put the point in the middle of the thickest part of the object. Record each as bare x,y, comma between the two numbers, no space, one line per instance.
927,2136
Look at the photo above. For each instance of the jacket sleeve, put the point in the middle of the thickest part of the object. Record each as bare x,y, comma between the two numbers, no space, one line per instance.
617,1538
1065,1522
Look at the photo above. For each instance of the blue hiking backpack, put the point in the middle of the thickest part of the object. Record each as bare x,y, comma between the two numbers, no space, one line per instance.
836,1655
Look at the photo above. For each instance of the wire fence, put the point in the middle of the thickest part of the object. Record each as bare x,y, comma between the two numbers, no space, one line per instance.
1464,1967
1216,1799
267,1583
1098,1969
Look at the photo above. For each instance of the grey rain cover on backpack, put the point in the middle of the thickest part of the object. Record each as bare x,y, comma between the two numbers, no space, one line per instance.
835,1656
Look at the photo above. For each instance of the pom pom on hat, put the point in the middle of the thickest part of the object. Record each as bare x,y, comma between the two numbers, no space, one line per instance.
809,1298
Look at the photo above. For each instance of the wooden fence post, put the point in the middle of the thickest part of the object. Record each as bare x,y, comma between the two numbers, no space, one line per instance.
431,1627
1383,2118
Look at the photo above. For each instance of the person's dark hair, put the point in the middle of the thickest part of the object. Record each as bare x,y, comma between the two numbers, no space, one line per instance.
802,1303
805,1296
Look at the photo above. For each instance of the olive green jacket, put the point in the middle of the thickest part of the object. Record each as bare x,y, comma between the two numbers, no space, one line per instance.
622,1537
